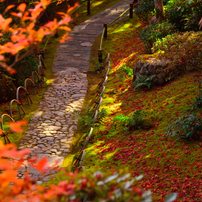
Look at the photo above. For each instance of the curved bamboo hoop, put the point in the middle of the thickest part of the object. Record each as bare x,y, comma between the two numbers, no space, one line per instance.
41,73
25,85
2,119
41,61
27,94
19,106
33,73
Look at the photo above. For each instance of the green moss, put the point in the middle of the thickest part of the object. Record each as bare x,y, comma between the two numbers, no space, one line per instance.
144,151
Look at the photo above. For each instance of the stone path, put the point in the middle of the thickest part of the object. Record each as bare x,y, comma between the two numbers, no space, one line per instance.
51,129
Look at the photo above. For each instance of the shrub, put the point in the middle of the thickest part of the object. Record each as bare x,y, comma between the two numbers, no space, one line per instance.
86,119
7,87
186,127
121,121
198,103
136,120
128,123
143,82
127,70
198,100
24,69
184,50
152,33
183,15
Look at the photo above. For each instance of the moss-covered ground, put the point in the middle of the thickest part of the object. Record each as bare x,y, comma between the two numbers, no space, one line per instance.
168,164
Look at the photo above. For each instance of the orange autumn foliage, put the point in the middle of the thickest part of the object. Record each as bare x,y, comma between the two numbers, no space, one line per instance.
26,35
16,126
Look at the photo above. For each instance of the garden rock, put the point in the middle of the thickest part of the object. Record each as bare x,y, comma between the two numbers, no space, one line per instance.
152,66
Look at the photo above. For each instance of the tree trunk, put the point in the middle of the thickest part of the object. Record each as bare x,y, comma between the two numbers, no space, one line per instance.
160,14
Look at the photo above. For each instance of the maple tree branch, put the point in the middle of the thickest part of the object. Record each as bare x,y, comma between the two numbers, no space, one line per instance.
40,15
21,57
16,56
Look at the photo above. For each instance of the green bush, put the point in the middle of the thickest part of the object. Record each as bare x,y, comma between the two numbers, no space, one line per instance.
198,100
121,121
183,15
198,103
127,70
152,33
143,82
186,127
184,50
128,123
136,120
86,119
24,69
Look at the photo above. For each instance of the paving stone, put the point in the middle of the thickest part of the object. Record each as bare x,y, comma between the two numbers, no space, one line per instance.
64,140
78,95
88,44
72,128
54,150
76,55
49,138
52,128
37,114
41,145
66,151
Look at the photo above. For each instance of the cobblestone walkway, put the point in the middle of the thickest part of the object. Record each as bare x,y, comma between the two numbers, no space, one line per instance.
51,129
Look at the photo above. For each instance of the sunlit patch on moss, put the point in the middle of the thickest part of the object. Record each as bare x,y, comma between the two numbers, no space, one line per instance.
49,81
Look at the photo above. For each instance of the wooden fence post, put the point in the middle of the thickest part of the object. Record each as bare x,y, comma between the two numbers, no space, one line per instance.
100,56
42,53
88,7
131,10
105,33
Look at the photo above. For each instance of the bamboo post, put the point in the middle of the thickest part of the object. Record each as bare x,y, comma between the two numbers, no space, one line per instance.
131,10
105,33
100,56
88,7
